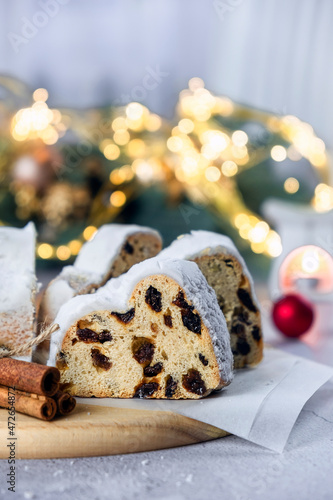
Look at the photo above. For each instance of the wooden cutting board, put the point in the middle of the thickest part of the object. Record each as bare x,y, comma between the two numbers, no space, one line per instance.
96,430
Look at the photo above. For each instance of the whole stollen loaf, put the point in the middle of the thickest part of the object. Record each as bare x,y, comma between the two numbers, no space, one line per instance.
226,272
156,331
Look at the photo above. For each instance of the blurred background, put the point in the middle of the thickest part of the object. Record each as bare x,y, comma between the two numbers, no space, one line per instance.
273,55
177,115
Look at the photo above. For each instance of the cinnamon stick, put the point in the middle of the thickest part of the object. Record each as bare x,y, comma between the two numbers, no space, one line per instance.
41,407
29,377
65,403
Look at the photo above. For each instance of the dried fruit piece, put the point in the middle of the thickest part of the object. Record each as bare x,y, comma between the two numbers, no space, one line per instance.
151,371
243,347
128,248
203,360
171,387
181,302
100,360
146,390
241,315
89,336
143,350
256,333
193,382
168,320
238,329
104,336
125,317
246,299
74,341
61,361
154,299
191,320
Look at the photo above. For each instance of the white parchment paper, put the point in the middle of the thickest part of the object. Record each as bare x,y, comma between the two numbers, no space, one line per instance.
260,405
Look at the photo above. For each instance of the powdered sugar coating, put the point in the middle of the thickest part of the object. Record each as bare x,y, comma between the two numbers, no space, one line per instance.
116,293
17,266
199,243
18,285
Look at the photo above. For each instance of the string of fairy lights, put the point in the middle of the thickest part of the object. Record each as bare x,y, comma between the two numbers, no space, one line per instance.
201,153
38,121
210,157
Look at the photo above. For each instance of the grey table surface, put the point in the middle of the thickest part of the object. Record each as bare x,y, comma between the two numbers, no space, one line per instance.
225,468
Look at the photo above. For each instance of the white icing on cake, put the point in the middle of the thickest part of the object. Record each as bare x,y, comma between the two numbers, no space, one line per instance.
57,293
17,267
115,295
97,255
18,285
199,243
91,266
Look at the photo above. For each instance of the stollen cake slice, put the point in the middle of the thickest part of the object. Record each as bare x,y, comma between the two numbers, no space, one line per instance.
226,272
113,250
156,331
17,287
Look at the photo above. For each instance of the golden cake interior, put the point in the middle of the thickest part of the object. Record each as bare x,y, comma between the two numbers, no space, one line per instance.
224,274
158,348
137,247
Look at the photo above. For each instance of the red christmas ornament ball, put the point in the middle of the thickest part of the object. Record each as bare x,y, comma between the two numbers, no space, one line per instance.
293,315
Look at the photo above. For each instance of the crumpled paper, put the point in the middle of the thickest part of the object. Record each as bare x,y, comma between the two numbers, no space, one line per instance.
260,405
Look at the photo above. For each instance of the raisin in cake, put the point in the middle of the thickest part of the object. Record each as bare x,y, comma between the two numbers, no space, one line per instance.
111,252
17,287
226,272
157,331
